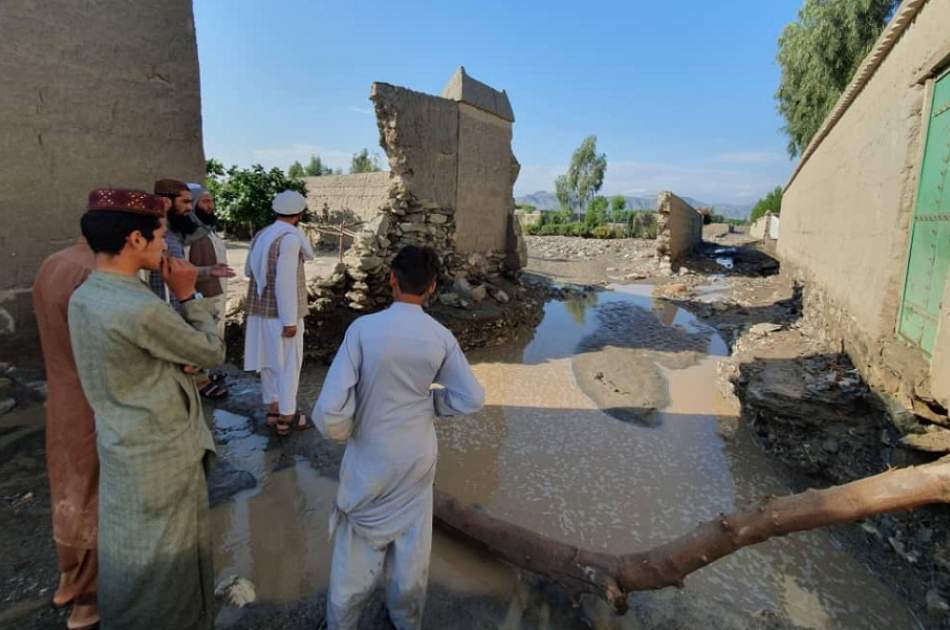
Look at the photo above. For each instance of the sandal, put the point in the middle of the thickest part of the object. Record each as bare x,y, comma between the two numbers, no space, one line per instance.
272,419
213,391
284,428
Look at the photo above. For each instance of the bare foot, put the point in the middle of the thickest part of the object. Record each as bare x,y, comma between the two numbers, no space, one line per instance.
82,616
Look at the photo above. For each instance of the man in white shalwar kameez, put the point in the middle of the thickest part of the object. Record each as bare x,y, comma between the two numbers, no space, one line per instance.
276,306
379,397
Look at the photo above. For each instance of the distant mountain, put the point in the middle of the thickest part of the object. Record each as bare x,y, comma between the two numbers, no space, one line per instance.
544,200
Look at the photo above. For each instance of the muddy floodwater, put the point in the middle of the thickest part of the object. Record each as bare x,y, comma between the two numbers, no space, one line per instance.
606,430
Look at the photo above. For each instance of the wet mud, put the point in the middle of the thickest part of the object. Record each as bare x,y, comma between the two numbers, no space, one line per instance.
558,450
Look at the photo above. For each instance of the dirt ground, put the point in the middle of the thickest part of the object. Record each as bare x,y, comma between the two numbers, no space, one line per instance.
802,401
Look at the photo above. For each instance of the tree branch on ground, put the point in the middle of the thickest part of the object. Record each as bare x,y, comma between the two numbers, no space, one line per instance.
613,577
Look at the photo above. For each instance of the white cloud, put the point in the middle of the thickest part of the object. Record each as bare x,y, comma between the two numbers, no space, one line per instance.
749,157
362,110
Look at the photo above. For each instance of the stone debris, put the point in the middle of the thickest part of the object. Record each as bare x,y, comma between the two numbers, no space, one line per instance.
933,440
236,591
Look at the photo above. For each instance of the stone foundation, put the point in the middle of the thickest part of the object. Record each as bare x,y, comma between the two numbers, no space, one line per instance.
889,366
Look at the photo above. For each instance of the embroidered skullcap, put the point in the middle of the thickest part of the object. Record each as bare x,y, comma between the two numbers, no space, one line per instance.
169,187
289,202
124,200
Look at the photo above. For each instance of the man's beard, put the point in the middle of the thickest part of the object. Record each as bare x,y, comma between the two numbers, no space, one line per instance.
208,218
181,223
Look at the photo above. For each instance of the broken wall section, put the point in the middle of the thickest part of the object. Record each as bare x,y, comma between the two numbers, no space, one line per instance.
91,95
449,187
679,228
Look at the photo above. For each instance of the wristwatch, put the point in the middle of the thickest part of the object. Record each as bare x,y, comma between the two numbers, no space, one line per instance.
194,296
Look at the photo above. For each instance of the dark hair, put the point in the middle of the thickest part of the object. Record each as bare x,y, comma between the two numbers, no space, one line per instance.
415,268
107,230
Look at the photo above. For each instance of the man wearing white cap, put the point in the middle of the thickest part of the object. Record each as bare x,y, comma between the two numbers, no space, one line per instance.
276,306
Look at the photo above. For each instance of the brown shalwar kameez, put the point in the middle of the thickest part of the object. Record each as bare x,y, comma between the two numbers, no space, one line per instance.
70,428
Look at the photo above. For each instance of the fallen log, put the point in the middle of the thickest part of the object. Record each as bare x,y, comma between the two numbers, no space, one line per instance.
613,577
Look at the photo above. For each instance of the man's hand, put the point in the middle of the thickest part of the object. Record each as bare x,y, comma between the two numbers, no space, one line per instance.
220,270
290,331
180,276
190,369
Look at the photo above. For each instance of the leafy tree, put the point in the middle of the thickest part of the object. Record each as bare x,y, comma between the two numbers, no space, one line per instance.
818,55
296,171
772,202
363,162
618,208
244,196
597,211
316,167
584,177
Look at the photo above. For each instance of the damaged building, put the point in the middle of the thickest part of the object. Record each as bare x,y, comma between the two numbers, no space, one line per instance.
450,183
866,214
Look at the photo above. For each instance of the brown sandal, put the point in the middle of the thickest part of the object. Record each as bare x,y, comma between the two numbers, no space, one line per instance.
284,428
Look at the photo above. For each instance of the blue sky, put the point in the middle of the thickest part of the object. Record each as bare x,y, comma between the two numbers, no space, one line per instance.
679,93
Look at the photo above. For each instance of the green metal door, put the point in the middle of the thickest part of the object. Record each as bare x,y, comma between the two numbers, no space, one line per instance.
929,257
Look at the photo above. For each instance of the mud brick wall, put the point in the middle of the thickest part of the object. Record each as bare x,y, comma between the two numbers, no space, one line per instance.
485,180
349,197
847,211
91,94
679,227
449,187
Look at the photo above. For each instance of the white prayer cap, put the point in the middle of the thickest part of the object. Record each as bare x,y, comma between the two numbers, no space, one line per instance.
289,202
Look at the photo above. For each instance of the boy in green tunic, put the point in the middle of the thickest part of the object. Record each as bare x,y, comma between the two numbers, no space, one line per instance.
132,354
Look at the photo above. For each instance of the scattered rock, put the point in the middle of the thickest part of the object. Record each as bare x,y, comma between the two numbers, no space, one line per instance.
934,441
225,481
478,293
237,591
765,328
6,405
501,297
830,445
449,299
937,606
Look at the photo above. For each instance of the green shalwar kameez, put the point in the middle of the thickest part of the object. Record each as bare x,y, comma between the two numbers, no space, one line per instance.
154,538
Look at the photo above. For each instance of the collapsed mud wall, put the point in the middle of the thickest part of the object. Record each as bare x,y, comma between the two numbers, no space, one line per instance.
847,211
679,228
449,187
91,95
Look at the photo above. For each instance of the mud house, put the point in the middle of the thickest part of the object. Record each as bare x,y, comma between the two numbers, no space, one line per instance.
91,95
450,185
866,214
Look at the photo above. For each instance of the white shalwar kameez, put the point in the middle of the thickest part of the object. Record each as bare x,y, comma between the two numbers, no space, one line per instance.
378,396
266,350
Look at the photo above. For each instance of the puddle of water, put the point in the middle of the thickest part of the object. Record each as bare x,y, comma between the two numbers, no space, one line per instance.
542,454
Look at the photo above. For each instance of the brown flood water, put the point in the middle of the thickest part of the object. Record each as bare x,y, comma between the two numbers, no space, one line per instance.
544,455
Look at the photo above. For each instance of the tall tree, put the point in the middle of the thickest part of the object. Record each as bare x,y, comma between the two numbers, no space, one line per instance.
618,208
818,55
363,162
584,177
296,170
316,167
772,202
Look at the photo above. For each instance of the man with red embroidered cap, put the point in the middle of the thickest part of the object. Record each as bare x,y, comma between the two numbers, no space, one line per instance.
131,352
71,459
